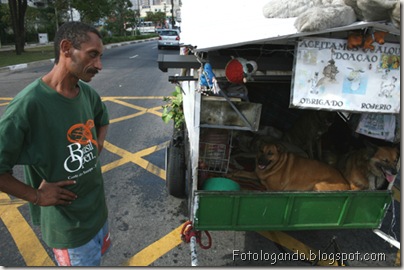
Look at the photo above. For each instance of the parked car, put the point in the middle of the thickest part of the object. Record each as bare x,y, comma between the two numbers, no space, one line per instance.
169,38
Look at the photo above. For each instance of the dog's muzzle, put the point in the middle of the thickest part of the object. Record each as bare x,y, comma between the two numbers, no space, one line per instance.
262,163
389,173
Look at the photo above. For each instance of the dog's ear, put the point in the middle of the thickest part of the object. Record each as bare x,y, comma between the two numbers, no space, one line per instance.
370,148
280,148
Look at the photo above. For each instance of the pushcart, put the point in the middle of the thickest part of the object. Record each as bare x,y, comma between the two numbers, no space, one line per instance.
216,122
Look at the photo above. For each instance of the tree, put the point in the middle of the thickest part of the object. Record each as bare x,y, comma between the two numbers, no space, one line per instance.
60,12
17,12
121,16
120,10
4,22
91,11
158,18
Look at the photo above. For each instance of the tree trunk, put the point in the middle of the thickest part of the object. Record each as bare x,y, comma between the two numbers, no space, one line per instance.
17,12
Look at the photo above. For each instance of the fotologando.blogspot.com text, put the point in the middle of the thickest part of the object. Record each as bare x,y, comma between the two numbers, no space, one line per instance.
332,258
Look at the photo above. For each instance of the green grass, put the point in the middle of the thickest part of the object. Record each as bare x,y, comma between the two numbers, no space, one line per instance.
9,58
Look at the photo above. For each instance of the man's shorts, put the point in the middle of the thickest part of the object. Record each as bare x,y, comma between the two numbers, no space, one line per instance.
87,255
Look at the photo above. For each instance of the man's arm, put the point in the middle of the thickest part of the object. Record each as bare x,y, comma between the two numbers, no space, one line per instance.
47,193
10,185
101,134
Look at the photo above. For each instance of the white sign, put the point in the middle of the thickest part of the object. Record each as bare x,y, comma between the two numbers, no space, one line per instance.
329,76
43,38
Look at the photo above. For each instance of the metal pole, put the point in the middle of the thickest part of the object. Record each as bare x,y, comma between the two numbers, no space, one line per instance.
194,255
387,238
172,15
193,243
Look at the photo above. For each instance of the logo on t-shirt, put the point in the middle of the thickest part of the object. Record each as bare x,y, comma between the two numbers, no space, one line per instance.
81,147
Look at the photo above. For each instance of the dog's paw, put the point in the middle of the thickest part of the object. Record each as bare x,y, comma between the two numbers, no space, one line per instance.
321,18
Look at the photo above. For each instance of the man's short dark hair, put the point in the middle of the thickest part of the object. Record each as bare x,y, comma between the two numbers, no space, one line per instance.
75,32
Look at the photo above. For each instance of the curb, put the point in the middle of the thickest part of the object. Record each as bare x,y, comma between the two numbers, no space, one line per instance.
26,65
44,62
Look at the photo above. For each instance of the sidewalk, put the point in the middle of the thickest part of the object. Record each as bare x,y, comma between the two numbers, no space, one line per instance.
44,62
5,48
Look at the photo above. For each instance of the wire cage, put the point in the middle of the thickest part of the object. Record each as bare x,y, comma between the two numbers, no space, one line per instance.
214,150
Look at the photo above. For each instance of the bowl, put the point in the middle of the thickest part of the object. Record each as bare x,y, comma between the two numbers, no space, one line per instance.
220,184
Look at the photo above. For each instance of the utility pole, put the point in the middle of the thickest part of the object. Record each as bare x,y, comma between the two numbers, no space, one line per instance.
172,14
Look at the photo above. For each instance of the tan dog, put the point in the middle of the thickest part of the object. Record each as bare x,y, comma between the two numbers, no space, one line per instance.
279,170
370,167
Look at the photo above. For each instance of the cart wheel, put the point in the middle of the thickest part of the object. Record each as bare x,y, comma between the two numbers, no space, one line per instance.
175,169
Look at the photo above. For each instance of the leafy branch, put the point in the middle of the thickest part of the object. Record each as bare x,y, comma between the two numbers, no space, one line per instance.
173,110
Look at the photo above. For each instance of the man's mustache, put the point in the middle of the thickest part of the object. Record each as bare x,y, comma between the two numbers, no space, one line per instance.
92,71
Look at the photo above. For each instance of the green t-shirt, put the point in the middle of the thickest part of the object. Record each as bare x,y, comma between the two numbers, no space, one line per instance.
55,137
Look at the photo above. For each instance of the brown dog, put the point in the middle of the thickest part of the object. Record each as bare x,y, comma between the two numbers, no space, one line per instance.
370,167
279,170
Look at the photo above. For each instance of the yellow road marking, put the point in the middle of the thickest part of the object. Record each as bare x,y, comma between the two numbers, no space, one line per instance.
154,251
24,237
133,106
136,158
126,117
398,258
141,110
131,97
5,103
396,194
10,202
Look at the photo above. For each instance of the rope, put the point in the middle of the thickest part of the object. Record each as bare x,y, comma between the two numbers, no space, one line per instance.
187,232
393,219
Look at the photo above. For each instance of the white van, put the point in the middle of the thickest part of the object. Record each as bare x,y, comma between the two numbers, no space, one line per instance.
146,27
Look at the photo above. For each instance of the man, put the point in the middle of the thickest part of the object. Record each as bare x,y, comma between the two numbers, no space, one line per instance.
56,127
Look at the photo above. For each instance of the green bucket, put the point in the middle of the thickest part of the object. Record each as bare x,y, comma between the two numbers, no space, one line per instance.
220,184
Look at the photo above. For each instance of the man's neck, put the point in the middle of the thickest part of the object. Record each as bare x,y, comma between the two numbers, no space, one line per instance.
62,82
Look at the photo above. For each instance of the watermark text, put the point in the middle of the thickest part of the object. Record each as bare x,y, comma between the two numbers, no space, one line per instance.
332,258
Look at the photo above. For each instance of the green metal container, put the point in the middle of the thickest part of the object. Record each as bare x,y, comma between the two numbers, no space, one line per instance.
254,211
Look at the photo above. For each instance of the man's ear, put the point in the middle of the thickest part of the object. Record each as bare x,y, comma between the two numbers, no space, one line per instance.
65,47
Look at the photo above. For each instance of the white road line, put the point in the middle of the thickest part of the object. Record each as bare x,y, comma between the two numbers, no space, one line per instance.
133,56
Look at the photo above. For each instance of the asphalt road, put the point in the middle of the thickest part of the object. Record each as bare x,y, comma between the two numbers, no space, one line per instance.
146,222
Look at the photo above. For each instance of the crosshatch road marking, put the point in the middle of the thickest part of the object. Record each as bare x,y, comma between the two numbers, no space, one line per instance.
27,242
7,101
151,253
141,110
136,158
23,235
